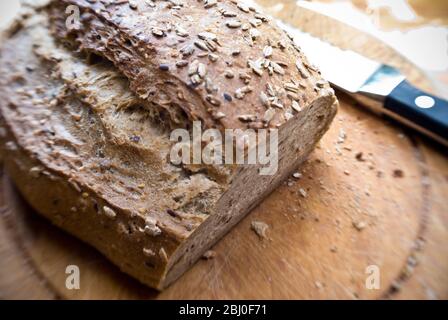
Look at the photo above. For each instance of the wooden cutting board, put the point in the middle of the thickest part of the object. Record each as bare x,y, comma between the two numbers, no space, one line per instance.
371,194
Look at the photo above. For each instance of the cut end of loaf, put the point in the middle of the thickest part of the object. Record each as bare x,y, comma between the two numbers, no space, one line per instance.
238,200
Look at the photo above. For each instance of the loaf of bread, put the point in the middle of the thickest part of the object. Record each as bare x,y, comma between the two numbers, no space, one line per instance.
86,115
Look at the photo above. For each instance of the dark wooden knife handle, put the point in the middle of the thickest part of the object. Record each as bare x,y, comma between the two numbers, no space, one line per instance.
421,110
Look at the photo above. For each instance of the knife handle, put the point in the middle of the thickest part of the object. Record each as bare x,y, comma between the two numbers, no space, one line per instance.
420,110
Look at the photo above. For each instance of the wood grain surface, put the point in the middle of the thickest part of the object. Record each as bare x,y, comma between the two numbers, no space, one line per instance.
371,194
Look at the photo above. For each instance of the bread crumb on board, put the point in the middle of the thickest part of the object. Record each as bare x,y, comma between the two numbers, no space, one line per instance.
319,285
260,228
208,255
360,157
342,136
297,175
397,173
359,225
303,193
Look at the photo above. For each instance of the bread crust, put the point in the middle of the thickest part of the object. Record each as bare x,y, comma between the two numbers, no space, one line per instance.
89,148
185,55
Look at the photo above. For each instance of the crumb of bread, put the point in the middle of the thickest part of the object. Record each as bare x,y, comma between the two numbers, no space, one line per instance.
297,175
260,228
398,173
360,157
359,225
342,136
208,255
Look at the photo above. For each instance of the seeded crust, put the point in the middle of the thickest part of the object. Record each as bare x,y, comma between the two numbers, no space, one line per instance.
85,123
221,62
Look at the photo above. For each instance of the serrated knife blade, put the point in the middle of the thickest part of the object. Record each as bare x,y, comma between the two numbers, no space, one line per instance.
378,86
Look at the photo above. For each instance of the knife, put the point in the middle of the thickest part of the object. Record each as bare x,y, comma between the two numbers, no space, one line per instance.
379,87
